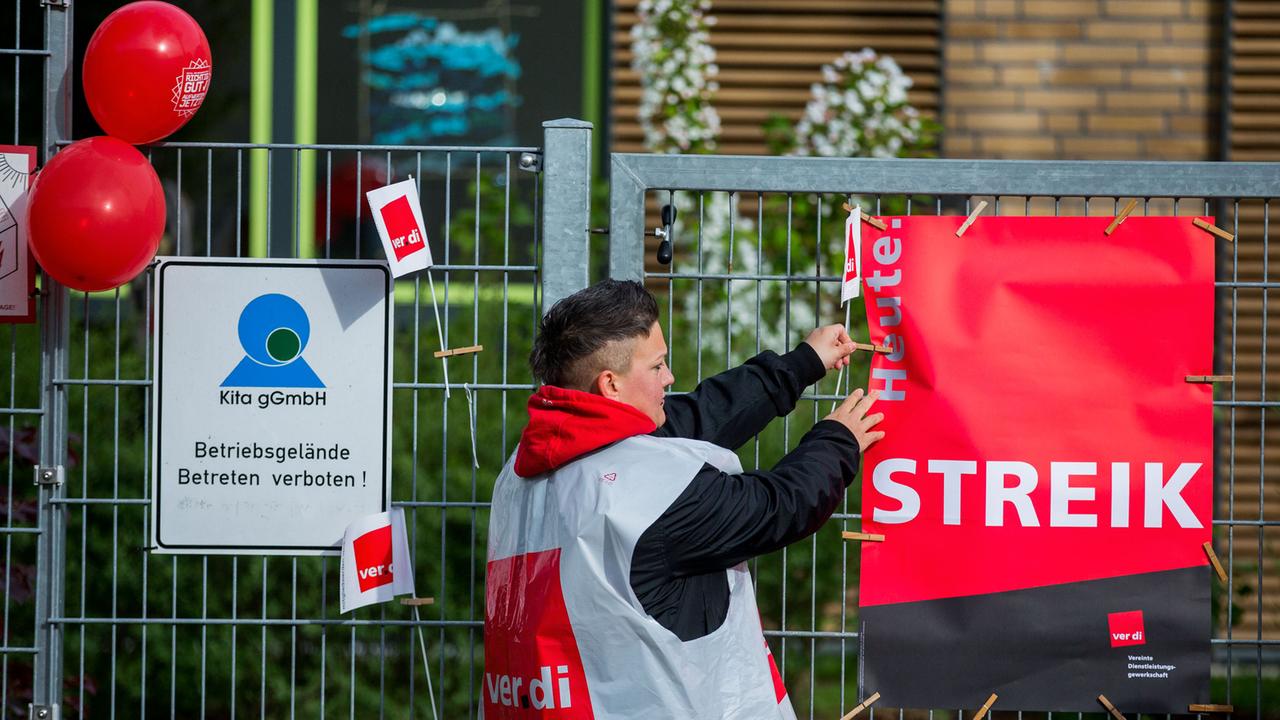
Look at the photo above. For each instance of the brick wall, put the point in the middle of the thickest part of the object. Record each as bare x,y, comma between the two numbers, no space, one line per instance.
1082,79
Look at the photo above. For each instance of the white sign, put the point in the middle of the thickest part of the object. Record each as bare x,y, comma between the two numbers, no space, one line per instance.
397,213
271,403
375,560
17,272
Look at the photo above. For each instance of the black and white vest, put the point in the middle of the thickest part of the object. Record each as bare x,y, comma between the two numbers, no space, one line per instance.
565,635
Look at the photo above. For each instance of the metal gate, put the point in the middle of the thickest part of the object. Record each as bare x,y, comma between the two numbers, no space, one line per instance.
94,625
756,264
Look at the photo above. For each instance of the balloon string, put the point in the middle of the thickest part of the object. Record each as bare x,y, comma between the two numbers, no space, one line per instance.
439,332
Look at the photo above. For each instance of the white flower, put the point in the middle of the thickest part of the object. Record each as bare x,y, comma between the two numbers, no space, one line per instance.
859,108
676,31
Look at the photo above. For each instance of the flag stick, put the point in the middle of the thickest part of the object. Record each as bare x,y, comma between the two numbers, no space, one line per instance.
841,375
471,423
426,668
444,361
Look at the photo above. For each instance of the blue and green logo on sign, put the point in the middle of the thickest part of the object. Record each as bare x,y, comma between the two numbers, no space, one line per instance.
273,330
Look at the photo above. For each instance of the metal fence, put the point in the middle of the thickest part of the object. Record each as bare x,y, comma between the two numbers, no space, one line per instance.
94,625
143,635
757,252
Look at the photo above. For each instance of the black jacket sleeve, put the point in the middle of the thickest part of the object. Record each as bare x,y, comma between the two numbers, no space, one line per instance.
730,408
721,520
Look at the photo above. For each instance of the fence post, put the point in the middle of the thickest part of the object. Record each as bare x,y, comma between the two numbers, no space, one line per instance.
54,320
626,222
566,208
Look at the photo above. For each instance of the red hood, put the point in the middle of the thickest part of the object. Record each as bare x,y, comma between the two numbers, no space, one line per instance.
565,424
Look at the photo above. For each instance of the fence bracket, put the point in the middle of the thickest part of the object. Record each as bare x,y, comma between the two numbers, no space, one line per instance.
44,712
49,475
531,162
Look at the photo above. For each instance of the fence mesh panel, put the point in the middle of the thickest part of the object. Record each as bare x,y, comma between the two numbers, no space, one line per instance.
756,271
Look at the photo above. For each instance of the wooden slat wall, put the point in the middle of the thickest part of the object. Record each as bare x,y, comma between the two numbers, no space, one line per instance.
770,52
1253,127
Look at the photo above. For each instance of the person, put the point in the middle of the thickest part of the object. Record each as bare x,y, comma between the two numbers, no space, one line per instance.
616,582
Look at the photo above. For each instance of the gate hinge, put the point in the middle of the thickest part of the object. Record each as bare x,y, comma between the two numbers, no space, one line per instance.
44,712
49,475
531,162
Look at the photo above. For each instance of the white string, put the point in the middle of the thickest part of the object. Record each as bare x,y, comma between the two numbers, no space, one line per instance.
841,375
425,666
471,415
439,332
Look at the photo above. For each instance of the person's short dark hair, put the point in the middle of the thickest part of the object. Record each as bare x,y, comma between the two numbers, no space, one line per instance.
591,331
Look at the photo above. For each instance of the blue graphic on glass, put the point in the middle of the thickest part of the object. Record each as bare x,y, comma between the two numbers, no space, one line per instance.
431,81
273,330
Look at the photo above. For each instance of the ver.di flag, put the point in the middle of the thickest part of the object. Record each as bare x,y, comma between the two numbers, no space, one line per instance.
375,560
851,284
1044,486
398,217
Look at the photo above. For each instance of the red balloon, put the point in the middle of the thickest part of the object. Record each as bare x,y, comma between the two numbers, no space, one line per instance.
96,214
146,71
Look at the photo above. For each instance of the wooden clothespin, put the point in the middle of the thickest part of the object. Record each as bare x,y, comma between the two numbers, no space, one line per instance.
417,601
982,711
1213,230
1110,708
973,216
873,222
459,351
1124,213
873,348
1210,378
1210,708
1213,560
866,537
862,706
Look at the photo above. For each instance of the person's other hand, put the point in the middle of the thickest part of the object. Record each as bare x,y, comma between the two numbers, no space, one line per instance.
852,413
833,345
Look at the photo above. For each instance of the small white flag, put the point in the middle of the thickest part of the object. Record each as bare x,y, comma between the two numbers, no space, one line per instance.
398,215
375,560
852,285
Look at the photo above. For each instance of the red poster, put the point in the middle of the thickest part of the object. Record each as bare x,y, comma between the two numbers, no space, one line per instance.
1045,481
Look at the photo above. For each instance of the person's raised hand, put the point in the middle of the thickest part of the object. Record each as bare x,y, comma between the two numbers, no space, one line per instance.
833,345
852,413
